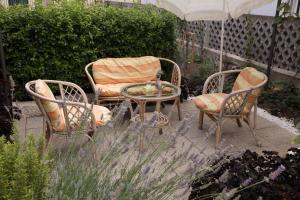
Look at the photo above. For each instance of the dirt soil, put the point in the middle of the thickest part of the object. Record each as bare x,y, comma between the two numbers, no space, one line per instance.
250,168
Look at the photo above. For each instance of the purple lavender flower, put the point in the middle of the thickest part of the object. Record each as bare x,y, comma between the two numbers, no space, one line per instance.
153,120
247,182
273,175
228,195
211,130
237,197
146,170
112,195
184,126
114,164
125,150
82,153
224,177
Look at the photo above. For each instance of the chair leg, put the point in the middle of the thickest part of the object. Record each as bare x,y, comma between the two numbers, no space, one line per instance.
26,126
218,134
47,135
252,130
201,116
255,115
178,107
131,110
238,121
44,125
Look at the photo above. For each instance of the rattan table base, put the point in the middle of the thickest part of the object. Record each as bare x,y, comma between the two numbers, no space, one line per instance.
160,122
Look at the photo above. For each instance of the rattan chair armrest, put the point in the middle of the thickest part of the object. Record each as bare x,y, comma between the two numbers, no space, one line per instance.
234,103
79,113
91,80
215,82
176,73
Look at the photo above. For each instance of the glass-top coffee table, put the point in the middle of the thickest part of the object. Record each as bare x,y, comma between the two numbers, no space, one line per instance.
141,93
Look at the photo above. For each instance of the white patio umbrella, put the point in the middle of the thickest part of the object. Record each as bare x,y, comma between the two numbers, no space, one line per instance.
217,10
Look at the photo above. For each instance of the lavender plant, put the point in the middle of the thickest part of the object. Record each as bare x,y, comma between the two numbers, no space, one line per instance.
113,166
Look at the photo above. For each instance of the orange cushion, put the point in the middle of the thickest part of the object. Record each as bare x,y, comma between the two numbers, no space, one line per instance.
249,77
114,90
125,70
52,109
102,114
111,90
210,102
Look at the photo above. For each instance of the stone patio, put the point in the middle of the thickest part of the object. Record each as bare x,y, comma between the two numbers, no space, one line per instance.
270,135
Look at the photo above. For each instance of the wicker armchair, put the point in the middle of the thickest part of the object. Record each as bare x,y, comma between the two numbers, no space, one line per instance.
69,113
175,80
237,105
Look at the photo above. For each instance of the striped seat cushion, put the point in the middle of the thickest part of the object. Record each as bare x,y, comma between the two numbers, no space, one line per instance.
249,77
114,90
52,109
125,70
210,102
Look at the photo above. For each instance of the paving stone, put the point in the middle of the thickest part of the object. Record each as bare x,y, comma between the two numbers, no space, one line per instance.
269,134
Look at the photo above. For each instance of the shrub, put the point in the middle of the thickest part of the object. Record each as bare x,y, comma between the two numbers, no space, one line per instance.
281,99
193,85
58,41
23,170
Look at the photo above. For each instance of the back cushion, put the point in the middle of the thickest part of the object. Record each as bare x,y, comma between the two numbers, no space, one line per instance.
249,77
125,70
52,109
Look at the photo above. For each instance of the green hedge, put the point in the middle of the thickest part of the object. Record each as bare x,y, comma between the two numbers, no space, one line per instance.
58,41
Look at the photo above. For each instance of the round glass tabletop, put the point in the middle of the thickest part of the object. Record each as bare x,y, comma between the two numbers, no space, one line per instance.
150,92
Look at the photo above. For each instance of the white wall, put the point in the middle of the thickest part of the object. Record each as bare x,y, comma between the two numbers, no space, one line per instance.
148,1
266,10
4,3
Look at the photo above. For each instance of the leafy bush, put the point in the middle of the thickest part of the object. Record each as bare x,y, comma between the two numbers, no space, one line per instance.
193,85
58,41
23,172
282,99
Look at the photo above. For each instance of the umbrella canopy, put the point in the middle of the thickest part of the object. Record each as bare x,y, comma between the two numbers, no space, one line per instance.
193,10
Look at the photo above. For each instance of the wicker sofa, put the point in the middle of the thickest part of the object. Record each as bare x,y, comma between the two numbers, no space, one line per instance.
108,76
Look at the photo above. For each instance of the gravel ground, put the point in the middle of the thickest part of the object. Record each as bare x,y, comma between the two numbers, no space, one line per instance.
282,122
